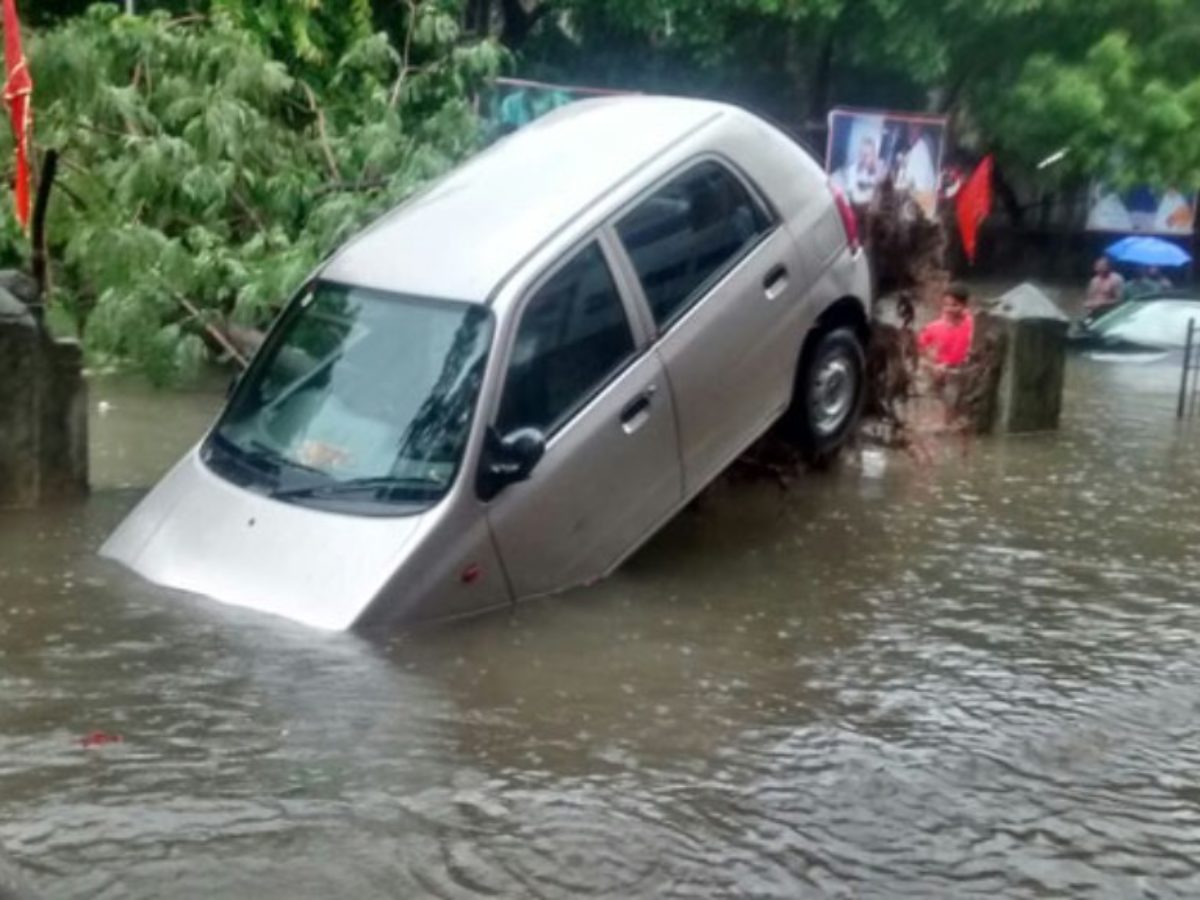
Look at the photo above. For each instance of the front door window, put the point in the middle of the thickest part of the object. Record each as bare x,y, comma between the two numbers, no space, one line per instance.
574,337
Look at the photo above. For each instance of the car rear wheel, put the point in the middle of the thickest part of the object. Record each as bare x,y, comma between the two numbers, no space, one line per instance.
829,393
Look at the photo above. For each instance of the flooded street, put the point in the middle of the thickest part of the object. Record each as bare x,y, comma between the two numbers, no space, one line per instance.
974,678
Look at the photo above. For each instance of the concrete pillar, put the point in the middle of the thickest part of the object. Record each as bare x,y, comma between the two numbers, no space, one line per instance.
63,450
43,408
1020,347
19,415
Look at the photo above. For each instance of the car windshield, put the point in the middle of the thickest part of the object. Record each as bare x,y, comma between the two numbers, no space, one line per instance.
359,400
1149,323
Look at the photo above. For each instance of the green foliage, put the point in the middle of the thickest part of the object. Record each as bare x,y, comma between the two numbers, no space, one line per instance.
202,180
14,248
309,30
1114,80
46,12
215,150
1119,111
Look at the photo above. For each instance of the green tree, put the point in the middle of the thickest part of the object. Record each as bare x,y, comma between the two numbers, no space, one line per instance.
47,12
1128,109
202,180
1113,80
308,30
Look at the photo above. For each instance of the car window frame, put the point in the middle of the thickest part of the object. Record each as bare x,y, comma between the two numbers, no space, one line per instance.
702,291
605,241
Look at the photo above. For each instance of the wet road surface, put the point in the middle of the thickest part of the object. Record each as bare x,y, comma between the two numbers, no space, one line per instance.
974,678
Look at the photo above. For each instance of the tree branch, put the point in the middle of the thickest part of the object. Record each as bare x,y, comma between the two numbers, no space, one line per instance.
322,132
215,333
107,132
187,20
245,207
74,167
405,53
75,198
363,184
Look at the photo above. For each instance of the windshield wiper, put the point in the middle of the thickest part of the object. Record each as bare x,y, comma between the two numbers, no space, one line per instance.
257,456
385,487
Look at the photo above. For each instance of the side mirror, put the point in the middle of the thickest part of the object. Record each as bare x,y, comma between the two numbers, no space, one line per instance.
509,460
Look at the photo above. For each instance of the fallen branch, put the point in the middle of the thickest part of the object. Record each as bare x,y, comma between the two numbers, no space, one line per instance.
322,132
249,210
191,19
215,333
72,195
335,187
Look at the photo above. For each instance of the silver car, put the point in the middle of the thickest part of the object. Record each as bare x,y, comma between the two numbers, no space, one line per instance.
504,387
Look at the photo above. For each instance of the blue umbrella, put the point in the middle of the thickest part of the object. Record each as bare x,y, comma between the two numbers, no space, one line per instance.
1148,251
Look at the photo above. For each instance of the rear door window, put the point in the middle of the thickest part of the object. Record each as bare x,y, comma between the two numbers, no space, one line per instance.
574,336
688,234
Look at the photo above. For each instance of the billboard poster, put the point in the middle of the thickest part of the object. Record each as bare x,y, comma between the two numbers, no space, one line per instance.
868,148
510,103
1141,210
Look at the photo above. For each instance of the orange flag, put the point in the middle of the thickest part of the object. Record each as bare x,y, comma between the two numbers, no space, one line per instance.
18,90
974,205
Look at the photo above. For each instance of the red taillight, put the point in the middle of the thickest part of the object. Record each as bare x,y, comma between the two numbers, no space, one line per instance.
849,220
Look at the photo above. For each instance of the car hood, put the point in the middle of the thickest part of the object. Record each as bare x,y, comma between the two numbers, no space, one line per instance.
195,532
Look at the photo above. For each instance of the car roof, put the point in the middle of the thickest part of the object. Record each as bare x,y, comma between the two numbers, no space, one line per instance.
461,238
1174,293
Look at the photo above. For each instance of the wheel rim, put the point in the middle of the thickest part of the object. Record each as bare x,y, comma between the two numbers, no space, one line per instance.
832,393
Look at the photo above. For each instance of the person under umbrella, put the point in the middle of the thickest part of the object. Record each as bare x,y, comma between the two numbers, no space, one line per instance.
1106,289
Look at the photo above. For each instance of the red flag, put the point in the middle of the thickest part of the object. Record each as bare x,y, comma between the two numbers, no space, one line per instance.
974,205
18,88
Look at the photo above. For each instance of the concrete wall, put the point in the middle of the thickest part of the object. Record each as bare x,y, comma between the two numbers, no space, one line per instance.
43,411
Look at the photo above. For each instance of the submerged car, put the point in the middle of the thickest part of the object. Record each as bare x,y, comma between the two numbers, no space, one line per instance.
505,386
1158,323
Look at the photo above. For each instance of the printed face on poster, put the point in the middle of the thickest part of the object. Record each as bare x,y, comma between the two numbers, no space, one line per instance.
868,148
1141,210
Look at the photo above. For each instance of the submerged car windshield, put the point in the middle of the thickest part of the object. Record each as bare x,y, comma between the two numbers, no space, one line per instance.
359,400
1157,323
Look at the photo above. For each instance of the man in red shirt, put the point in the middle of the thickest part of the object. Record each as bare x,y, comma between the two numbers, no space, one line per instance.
946,342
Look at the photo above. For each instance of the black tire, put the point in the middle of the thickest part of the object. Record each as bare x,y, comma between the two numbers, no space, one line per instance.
827,399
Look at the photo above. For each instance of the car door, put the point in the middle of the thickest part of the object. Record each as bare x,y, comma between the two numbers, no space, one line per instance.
610,473
723,284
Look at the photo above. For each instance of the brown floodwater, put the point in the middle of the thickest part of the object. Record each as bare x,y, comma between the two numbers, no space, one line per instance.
974,676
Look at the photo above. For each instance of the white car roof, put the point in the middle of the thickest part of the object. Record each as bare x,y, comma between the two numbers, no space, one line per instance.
463,237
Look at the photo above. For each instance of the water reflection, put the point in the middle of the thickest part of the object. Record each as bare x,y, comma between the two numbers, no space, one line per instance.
966,678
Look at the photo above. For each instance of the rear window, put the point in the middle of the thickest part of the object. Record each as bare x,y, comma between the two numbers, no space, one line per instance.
688,234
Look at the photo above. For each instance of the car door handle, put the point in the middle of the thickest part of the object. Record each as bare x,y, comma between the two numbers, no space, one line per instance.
637,410
775,282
